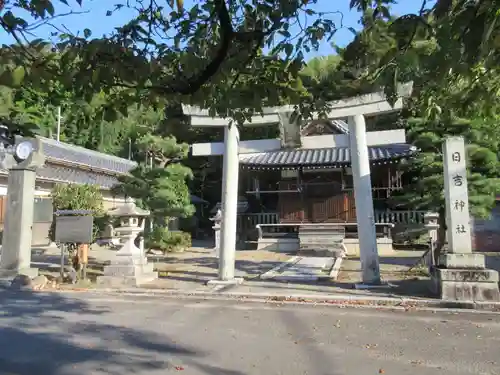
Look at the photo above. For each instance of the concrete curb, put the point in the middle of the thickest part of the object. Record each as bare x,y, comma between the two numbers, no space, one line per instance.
315,299
337,264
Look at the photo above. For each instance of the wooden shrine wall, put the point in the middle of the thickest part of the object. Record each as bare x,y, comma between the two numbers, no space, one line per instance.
295,208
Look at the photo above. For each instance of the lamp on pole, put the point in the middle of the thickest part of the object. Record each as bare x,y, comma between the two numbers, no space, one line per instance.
20,151
21,157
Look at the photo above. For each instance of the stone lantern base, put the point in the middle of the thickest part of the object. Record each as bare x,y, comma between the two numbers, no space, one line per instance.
129,268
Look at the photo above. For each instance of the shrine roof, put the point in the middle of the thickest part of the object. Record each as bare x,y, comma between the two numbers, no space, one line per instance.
322,157
68,154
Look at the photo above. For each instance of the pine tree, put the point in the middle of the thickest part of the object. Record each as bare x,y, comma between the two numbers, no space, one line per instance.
423,189
159,182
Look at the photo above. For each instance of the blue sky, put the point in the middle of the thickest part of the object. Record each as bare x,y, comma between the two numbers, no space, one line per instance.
96,20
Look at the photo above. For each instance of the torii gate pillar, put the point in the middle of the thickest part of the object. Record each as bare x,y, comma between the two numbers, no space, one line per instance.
364,202
230,171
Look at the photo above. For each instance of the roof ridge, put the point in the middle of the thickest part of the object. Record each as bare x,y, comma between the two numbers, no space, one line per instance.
341,125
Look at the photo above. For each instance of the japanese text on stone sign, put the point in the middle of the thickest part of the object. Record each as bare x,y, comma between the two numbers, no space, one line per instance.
456,195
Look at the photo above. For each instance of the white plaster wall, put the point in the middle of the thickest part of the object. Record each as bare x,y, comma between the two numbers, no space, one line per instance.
385,137
38,193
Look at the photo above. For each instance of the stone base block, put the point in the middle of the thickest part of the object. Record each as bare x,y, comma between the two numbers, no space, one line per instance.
462,261
128,270
466,284
126,281
7,273
127,260
468,275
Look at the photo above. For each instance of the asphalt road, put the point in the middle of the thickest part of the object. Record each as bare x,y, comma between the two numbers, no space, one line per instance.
45,334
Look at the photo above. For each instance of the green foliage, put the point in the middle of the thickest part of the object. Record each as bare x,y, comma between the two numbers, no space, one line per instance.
19,117
166,241
79,197
210,54
424,190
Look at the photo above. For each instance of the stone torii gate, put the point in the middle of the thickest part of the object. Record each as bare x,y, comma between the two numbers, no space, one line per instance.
358,140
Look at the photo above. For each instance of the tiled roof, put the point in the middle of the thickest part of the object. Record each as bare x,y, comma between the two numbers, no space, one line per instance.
332,126
75,175
64,152
340,126
322,157
77,165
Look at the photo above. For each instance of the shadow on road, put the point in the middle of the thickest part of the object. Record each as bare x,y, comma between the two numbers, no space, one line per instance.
53,333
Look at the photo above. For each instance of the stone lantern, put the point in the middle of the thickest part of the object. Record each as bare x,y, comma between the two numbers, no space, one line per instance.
130,266
132,222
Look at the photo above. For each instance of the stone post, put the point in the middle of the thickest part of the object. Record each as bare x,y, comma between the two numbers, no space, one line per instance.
432,226
17,232
216,227
461,274
364,201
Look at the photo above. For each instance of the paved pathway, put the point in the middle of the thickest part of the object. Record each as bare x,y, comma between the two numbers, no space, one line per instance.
301,269
84,334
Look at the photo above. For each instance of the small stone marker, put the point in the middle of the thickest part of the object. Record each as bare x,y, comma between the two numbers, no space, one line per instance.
456,196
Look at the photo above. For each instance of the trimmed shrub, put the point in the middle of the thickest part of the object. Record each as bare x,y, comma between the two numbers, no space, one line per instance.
167,241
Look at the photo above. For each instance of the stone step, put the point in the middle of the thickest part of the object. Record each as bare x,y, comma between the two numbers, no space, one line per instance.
121,281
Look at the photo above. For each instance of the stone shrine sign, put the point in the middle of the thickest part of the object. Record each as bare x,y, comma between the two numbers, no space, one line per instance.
456,196
461,274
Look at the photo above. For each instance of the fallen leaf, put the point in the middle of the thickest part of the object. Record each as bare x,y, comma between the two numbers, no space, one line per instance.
381,371
179,368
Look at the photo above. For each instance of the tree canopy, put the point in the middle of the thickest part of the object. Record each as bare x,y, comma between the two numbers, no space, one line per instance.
198,54
226,55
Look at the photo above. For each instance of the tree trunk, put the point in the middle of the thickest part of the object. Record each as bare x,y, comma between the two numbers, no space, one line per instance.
441,235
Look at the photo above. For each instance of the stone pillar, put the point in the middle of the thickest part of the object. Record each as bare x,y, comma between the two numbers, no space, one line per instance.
216,229
229,204
461,274
364,201
17,233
